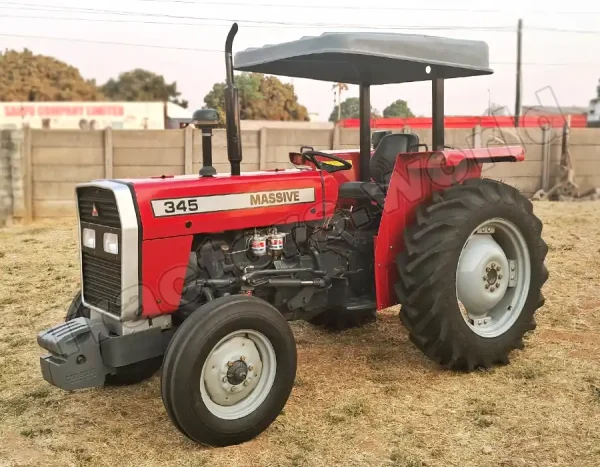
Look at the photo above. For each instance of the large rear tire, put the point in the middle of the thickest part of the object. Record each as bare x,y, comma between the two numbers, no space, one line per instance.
471,274
229,370
125,375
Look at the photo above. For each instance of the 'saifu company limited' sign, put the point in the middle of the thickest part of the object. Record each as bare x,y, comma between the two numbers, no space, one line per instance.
63,110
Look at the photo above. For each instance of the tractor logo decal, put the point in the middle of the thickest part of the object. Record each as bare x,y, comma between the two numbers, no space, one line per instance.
232,202
94,210
280,197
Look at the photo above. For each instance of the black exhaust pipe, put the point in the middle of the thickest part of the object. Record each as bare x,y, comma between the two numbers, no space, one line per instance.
232,108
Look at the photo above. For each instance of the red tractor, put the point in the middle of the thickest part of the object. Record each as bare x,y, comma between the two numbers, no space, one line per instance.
200,274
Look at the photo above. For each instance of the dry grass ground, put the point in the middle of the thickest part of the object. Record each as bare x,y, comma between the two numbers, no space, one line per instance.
364,397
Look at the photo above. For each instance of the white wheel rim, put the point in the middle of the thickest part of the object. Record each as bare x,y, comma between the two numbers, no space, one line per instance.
238,374
493,276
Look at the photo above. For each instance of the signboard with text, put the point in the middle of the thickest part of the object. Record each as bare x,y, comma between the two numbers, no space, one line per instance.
83,115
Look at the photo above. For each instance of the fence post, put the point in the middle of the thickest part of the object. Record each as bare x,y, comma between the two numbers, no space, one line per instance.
6,197
546,140
262,149
28,175
108,153
336,136
188,150
476,136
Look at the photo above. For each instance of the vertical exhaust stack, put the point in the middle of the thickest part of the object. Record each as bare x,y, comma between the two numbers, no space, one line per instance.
232,108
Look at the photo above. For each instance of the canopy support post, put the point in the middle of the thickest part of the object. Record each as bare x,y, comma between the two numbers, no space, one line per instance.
437,123
365,131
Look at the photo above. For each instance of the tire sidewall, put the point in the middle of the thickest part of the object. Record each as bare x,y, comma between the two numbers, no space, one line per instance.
77,309
526,223
200,336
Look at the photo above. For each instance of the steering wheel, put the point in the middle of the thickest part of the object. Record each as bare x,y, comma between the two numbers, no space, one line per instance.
311,156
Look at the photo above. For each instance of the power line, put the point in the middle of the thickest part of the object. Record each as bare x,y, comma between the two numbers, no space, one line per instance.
72,39
139,21
262,23
20,5
193,49
371,8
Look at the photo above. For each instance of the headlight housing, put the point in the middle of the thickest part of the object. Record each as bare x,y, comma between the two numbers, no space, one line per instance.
111,243
88,238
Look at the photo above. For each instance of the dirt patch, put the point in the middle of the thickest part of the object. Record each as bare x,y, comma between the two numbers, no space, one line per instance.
362,397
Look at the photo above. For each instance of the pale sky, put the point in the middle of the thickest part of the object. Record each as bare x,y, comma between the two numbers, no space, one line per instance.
567,62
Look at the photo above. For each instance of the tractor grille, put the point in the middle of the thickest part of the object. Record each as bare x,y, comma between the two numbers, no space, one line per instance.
98,206
101,283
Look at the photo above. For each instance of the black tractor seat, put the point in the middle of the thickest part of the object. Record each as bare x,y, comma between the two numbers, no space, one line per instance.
381,167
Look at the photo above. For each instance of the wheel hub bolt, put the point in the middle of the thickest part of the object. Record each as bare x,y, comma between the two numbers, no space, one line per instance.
498,268
250,367
243,358
499,276
487,286
485,278
487,269
224,379
493,265
246,383
492,289
233,389
229,363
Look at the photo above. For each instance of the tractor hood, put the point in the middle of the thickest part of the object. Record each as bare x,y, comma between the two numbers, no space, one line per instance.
183,205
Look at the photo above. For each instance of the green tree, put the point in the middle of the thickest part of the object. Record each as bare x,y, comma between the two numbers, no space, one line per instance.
398,109
261,98
25,76
141,85
350,108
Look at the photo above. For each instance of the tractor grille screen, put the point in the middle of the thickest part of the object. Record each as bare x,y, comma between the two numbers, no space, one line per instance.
101,283
98,206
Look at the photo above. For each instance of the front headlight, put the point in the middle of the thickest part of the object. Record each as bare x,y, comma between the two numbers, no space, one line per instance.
111,243
89,238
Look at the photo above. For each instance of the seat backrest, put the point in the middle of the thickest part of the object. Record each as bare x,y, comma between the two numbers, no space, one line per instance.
377,136
383,159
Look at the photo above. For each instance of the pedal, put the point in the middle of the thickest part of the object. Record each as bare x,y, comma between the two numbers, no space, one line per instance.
75,361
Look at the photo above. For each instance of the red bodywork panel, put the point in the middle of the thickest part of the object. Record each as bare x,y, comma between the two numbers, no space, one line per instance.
167,241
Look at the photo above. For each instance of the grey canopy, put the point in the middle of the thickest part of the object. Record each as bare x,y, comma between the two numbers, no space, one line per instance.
368,58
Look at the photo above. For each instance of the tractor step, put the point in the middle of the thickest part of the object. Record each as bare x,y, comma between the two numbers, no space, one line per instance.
360,304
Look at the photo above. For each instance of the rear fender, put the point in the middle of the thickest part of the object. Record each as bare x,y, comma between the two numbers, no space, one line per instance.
415,178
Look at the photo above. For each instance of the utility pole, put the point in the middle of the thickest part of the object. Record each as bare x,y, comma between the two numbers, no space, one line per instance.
337,90
518,90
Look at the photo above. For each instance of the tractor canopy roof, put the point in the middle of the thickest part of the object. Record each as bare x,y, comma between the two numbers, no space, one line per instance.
369,58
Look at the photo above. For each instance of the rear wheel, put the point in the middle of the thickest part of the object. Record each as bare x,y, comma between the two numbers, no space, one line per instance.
229,370
471,274
125,375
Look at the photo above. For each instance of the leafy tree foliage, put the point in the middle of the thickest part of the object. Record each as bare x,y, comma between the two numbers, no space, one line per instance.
261,98
25,76
140,86
398,109
350,109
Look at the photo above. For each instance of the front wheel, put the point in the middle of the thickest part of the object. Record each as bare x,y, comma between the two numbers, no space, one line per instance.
471,274
229,370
